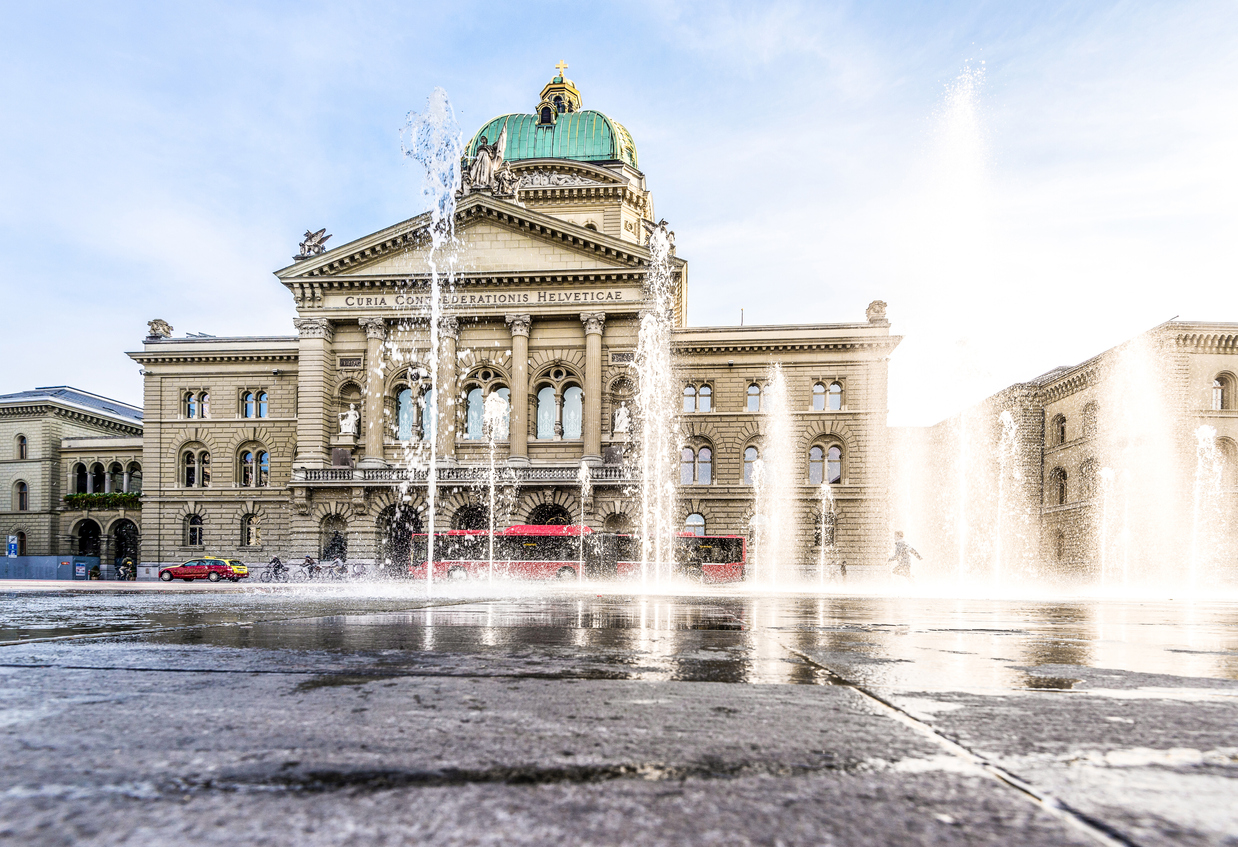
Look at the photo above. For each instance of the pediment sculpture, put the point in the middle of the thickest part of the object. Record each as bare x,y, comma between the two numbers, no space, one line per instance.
483,174
159,329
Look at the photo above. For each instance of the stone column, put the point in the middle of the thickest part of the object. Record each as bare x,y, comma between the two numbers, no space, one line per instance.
446,390
518,445
375,334
591,428
313,362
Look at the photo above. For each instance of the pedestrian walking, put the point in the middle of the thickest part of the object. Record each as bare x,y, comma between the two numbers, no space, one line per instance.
902,556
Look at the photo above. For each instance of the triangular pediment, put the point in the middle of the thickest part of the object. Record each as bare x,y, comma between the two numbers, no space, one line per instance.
493,237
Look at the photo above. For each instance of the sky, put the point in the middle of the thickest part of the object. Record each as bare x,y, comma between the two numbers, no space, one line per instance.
1025,184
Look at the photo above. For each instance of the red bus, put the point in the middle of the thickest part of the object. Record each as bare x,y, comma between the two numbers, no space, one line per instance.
554,552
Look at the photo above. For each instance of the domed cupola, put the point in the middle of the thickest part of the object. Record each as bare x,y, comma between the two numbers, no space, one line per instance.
560,129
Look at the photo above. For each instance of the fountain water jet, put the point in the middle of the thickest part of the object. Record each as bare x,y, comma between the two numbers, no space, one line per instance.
656,405
434,140
775,484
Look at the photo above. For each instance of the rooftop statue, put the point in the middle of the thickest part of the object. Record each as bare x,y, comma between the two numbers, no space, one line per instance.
486,163
313,244
159,329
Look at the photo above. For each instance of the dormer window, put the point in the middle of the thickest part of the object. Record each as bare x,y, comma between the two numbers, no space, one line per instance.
548,117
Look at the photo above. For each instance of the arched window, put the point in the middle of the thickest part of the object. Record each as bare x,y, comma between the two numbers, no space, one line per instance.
204,405
836,397
196,468
191,405
816,457
98,479
689,398
547,116
1057,487
546,412
696,466
135,478
21,544
694,524
404,415
1089,419
704,398
750,458
264,404
115,478
754,398
1087,478
23,448
573,411
255,468
81,482
834,465
1058,430
251,531
1222,393
250,405
195,535
21,496
475,414
1059,545
559,106
818,397
503,428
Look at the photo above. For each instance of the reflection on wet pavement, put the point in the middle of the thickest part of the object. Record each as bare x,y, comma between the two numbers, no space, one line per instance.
892,644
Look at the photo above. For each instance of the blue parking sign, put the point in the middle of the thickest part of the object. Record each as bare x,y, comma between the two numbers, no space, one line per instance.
13,546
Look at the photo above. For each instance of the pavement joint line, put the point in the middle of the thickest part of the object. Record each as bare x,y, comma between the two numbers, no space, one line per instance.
311,672
1097,829
143,630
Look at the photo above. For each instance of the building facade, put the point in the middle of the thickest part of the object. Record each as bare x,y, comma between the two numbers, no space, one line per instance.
314,443
58,442
1120,469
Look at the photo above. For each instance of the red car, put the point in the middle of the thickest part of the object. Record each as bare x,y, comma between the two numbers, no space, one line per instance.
208,567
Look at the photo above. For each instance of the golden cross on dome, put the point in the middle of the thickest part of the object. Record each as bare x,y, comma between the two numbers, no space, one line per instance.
561,67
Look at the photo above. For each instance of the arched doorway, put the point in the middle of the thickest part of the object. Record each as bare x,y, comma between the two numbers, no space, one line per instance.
126,541
396,526
88,534
549,514
333,538
617,522
471,517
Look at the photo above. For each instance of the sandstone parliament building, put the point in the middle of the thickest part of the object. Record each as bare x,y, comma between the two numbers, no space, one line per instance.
248,447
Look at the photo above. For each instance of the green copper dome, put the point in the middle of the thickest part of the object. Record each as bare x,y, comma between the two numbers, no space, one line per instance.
583,135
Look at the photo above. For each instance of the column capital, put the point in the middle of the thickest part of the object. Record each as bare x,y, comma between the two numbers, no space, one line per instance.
374,328
449,325
520,324
593,321
314,328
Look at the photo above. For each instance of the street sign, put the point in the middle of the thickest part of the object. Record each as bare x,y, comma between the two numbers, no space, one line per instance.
13,546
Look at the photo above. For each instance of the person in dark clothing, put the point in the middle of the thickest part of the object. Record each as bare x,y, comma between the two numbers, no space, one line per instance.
902,556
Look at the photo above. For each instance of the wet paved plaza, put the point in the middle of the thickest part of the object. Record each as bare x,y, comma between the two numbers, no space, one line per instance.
354,716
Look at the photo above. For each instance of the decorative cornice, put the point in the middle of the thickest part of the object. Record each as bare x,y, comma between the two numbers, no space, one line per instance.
162,357
31,410
881,343
1207,342
1070,385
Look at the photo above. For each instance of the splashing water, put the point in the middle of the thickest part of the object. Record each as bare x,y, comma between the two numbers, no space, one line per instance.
584,478
827,529
1207,507
1005,457
656,399
496,421
774,487
433,139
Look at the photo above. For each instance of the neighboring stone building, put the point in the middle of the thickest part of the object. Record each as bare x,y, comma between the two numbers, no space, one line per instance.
59,441
1107,449
312,443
